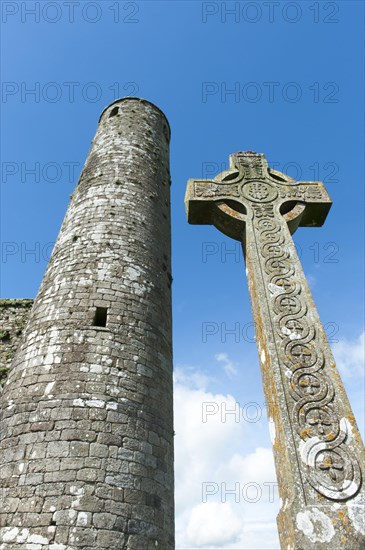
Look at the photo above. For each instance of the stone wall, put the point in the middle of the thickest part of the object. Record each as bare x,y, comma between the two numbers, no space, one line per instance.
14,315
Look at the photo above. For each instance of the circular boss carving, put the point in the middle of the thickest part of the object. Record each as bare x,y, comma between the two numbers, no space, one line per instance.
259,191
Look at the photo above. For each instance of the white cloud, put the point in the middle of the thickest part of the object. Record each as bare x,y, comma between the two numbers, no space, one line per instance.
228,365
349,356
213,523
211,448
191,378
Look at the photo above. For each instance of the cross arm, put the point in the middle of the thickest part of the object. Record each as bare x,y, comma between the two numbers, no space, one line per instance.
198,206
203,195
313,198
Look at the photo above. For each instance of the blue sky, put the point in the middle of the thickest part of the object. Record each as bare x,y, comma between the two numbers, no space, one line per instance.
282,78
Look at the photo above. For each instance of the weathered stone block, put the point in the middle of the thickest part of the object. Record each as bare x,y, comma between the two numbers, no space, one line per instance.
58,448
78,435
106,539
104,520
96,449
91,475
79,449
89,504
55,477
65,517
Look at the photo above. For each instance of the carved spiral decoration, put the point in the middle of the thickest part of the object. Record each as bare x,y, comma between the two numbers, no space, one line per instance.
332,469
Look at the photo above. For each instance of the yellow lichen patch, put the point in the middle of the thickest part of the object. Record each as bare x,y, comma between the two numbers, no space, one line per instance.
336,375
355,434
307,432
343,517
327,462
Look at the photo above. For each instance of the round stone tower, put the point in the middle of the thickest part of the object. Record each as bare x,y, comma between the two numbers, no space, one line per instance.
86,448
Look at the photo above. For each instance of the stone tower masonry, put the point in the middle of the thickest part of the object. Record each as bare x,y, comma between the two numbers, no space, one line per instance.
86,448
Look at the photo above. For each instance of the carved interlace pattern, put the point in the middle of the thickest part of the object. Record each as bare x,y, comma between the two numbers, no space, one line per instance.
302,192
258,191
252,164
214,190
330,466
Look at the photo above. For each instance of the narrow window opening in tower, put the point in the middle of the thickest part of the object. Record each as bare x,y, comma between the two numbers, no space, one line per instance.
100,317
114,112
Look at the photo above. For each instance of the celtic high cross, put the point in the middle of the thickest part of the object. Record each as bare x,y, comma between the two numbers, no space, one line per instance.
316,443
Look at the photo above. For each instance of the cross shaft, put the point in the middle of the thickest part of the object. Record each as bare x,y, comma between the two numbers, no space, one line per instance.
316,443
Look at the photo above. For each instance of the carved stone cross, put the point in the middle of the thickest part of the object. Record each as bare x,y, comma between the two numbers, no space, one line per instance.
317,446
